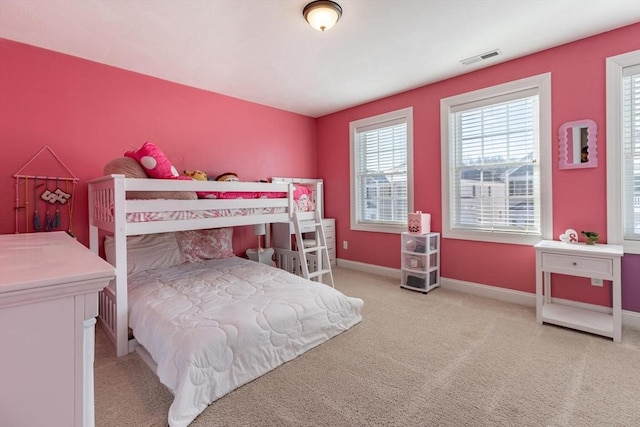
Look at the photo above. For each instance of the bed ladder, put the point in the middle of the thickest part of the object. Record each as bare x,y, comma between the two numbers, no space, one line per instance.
318,248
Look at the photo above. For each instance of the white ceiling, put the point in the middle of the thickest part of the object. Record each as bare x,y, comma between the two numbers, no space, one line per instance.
264,51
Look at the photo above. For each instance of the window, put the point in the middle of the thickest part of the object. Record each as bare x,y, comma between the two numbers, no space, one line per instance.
623,151
496,159
382,171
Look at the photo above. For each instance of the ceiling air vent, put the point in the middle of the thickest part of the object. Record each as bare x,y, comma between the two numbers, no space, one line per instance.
481,57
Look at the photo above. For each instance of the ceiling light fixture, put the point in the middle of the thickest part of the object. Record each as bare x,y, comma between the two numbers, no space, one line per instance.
322,14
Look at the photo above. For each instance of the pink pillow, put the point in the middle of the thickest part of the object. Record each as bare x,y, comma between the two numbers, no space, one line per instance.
153,161
147,251
200,245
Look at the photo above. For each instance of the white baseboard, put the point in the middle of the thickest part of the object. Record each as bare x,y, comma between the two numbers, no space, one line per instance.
393,273
629,318
502,294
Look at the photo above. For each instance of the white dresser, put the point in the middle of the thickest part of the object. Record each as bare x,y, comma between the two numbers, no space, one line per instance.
598,261
49,286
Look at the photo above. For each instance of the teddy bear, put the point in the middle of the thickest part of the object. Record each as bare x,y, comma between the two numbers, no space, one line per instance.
197,175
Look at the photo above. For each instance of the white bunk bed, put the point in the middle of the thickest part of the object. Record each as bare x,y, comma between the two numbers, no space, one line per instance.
114,214
256,317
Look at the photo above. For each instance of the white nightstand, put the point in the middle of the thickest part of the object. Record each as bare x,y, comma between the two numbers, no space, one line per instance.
598,261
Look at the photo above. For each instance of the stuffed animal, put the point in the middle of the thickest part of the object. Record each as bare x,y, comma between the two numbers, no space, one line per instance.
228,176
197,175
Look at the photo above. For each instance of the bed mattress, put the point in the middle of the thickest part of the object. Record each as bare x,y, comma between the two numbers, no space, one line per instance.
216,325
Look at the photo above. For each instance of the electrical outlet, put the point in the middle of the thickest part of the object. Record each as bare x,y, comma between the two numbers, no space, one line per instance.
345,244
596,282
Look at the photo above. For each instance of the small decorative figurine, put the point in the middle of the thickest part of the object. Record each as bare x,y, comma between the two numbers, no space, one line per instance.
592,237
569,236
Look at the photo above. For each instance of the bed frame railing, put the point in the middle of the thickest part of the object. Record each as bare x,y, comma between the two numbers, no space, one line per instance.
289,260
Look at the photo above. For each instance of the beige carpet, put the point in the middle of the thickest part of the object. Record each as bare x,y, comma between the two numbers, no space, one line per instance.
442,359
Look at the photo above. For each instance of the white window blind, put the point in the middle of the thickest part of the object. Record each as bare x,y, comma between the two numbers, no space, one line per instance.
631,152
381,171
494,165
382,174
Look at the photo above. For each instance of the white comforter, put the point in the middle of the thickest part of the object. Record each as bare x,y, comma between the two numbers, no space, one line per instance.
214,326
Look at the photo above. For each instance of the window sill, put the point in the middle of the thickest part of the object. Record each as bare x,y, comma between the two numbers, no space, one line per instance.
493,237
379,228
631,247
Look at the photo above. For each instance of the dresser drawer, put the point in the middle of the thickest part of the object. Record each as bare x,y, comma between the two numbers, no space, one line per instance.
332,257
578,265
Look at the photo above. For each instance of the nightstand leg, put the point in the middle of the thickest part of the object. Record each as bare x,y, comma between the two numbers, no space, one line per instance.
539,301
547,287
617,301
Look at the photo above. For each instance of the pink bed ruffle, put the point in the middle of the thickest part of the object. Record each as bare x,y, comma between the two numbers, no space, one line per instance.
302,205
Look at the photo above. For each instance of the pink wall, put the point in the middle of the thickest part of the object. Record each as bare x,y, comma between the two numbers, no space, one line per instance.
89,113
579,196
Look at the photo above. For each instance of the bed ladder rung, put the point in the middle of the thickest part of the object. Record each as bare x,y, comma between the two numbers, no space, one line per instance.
314,249
319,273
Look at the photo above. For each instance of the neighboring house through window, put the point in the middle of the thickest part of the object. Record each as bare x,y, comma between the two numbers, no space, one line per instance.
496,158
623,151
381,150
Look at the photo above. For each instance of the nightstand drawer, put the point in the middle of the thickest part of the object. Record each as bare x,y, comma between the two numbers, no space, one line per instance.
578,265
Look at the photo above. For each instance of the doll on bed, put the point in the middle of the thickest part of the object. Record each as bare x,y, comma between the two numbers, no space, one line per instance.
228,176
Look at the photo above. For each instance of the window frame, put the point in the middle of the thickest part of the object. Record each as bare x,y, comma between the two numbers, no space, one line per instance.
380,121
542,85
615,210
